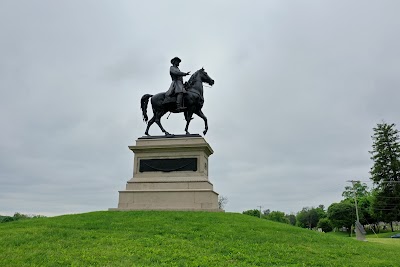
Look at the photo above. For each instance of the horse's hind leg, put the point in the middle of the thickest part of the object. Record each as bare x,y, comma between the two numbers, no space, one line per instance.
151,121
158,121
201,115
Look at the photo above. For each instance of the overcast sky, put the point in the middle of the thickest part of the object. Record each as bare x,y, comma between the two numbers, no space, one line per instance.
299,85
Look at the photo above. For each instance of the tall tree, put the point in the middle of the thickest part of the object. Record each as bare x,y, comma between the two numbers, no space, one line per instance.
266,212
291,218
360,189
342,214
385,173
222,201
277,216
364,199
308,217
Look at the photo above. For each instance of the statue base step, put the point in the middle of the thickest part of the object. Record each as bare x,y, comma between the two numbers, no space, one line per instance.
168,199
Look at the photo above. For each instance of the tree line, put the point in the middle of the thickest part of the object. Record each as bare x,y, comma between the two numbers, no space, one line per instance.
381,203
18,216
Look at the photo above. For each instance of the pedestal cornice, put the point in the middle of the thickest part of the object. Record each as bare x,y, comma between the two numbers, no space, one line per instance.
177,143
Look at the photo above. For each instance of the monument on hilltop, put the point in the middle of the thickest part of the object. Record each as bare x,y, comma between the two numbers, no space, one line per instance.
170,172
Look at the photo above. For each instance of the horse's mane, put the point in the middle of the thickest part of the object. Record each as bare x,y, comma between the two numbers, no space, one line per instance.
192,78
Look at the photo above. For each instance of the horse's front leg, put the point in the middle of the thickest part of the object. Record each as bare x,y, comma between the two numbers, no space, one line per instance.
201,115
188,117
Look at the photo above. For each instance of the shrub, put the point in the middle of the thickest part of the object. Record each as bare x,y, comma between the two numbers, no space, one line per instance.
325,225
255,213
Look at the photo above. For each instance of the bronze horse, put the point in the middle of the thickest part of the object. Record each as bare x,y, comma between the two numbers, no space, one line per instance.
193,100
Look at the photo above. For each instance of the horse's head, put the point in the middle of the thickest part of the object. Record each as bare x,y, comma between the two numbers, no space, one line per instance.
204,77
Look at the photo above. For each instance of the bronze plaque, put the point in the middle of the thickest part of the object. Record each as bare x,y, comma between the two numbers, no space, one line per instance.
168,165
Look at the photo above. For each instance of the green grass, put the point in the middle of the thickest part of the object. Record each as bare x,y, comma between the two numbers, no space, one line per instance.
150,238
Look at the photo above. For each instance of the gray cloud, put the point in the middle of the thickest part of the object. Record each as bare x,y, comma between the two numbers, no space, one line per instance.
299,86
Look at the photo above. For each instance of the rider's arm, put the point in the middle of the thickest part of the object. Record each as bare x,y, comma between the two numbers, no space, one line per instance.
176,71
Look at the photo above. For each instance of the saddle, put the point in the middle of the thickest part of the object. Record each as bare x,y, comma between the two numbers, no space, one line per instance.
169,99
172,99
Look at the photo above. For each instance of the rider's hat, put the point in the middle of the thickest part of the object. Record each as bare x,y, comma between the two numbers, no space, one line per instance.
175,59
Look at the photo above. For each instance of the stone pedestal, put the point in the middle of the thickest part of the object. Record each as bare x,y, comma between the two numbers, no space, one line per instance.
170,173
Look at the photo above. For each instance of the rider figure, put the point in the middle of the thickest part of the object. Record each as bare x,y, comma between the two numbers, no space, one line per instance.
176,87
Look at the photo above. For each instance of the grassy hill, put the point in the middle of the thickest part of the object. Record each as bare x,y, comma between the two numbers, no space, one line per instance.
151,238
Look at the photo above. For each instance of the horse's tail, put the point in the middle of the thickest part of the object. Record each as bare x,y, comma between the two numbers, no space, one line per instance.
143,105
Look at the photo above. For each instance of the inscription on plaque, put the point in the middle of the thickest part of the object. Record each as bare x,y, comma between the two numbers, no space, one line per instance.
168,165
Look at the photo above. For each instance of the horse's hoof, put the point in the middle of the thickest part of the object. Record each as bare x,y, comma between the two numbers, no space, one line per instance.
167,134
187,133
204,132
146,133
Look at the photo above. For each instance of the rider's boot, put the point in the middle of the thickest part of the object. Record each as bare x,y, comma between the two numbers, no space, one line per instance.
179,101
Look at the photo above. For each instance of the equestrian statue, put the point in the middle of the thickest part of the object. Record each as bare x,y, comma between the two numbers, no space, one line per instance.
187,98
